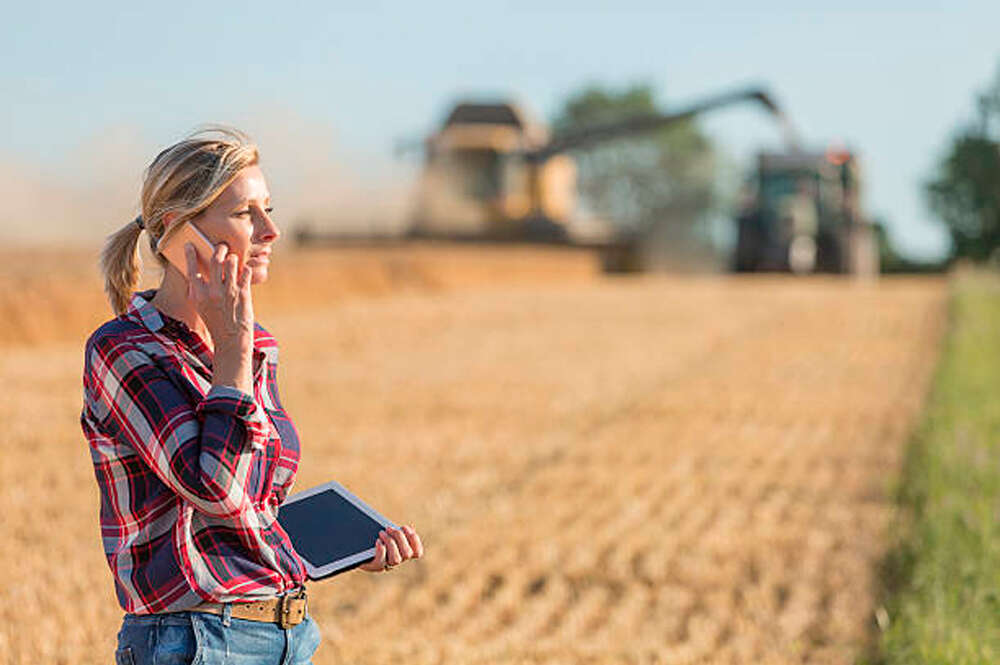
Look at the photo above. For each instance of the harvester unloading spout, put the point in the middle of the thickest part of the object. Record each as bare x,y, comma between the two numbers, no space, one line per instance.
589,136
622,250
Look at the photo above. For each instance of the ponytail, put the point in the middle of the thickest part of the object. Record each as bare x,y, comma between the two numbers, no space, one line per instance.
120,264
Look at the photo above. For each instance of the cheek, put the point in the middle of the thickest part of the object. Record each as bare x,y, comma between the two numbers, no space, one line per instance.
231,232
238,238
242,235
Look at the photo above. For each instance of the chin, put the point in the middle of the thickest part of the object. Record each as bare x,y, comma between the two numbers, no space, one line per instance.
259,275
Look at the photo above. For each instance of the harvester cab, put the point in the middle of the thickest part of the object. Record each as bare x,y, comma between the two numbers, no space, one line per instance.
479,182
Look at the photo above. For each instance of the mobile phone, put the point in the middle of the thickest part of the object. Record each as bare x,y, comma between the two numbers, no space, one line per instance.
174,248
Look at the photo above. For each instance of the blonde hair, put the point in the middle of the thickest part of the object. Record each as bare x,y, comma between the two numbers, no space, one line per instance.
184,179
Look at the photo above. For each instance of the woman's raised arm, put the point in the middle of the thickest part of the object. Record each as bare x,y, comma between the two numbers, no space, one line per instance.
203,451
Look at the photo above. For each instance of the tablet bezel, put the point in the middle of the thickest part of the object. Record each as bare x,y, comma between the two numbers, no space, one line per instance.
352,560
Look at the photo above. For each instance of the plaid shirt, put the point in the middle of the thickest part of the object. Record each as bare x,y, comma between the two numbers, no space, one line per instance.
190,475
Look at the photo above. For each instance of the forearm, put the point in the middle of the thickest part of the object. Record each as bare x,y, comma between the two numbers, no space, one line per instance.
232,428
203,451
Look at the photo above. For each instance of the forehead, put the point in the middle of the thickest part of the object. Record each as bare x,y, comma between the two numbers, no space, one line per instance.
249,185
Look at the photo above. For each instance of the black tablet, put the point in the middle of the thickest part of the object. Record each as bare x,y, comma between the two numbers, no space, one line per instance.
332,530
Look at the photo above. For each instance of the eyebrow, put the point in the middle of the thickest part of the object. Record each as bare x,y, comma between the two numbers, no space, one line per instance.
242,203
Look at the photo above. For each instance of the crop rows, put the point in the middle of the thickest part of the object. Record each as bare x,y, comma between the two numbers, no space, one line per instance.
607,471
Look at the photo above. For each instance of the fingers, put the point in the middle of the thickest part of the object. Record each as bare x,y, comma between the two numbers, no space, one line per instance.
196,283
229,269
414,540
221,265
245,276
394,557
393,546
192,261
217,267
225,272
377,564
401,543
381,555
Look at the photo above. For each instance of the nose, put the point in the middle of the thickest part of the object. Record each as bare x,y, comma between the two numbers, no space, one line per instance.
265,230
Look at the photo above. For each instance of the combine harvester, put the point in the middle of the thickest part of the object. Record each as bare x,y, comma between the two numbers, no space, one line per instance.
492,175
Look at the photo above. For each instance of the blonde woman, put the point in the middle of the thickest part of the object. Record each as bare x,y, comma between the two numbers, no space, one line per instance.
192,449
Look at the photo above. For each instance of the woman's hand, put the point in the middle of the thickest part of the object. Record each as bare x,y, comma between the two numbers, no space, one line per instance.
223,301
392,547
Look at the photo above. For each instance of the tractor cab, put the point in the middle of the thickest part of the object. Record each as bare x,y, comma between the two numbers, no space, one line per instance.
802,214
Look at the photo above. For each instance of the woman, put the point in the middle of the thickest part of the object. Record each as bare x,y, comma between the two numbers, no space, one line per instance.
192,449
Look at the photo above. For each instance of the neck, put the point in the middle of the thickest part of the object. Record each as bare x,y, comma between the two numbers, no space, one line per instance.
172,299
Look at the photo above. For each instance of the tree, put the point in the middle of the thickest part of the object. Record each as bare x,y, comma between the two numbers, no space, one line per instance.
965,193
890,261
645,182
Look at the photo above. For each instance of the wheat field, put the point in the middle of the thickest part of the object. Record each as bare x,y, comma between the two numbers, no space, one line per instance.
652,469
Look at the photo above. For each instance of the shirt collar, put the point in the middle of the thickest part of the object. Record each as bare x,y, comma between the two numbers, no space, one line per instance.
142,310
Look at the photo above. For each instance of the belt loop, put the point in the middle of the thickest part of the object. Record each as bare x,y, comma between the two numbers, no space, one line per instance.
227,614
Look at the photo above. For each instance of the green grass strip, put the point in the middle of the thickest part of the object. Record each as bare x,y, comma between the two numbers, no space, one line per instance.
942,577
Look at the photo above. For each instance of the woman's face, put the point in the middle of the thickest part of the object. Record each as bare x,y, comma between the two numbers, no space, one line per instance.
240,217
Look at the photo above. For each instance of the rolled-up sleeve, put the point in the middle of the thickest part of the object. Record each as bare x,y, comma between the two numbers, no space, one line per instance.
203,451
229,401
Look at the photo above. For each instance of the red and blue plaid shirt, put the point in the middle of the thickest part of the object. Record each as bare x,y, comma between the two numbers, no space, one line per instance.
191,476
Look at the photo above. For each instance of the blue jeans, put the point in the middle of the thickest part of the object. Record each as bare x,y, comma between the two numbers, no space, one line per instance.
200,638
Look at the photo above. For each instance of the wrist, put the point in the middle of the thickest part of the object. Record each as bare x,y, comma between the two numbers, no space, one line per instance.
241,384
233,372
237,346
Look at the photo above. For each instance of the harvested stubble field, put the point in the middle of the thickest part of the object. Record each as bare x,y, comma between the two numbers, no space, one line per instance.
629,470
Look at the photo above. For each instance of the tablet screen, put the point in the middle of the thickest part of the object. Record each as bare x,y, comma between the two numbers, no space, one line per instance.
326,527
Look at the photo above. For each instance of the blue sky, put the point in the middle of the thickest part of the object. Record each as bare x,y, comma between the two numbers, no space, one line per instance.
893,80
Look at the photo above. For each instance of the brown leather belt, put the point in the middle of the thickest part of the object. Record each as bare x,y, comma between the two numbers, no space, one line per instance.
286,611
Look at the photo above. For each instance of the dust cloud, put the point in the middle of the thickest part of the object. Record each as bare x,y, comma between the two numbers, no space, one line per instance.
94,188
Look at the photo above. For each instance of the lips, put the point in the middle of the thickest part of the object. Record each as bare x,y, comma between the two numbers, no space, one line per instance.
260,257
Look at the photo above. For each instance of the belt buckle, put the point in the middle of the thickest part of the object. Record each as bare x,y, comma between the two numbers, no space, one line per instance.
285,609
